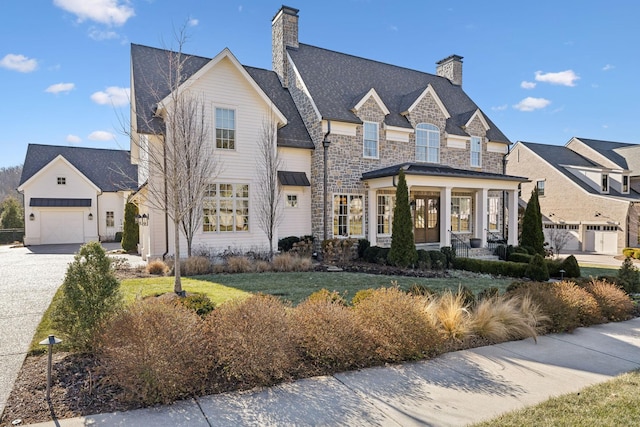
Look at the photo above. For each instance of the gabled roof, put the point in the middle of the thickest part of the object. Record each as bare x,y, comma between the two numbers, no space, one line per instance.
437,170
626,156
109,170
558,157
335,79
150,85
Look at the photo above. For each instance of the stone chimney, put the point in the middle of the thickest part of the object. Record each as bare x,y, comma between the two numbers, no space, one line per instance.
451,68
284,33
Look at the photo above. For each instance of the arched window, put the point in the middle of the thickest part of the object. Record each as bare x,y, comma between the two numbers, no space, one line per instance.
427,143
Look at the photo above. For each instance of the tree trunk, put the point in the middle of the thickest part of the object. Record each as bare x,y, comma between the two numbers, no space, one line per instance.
177,284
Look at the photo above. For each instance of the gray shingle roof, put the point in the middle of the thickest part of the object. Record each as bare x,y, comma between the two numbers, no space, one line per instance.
558,156
625,155
151,85
335,79
109,170
437,170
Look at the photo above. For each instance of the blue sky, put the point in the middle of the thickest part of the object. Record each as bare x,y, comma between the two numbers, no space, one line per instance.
543,71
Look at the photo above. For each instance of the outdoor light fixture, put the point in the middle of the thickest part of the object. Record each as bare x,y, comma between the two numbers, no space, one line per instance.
90,216
49,342
142,219
32,217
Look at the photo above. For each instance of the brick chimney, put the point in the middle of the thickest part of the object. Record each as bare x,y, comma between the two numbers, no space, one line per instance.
451,68
284,33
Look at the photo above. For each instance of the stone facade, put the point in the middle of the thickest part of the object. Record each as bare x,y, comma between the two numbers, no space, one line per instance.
451,68
284,33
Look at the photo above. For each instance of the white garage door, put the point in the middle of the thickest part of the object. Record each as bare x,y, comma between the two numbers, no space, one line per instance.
61,227
605,242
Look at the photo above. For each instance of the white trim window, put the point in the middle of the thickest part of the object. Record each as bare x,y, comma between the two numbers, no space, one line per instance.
386,203
476,150
110,219
348,215
291,201
225,128
427,143
625,184
540,186
461,214
494,214
370,140
605,183
62,180
226,208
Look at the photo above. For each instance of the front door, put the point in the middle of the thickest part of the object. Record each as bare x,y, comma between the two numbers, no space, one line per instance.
426,220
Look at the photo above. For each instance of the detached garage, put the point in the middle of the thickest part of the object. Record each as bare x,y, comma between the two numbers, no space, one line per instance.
74,195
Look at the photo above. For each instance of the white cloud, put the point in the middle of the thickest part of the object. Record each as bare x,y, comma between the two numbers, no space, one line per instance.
605,126
608,67
101,135
527,85
240,8
18,63
60,87
564,78
110,12
99,35
74,139
393,27
531,104
113,95
500,107
193,22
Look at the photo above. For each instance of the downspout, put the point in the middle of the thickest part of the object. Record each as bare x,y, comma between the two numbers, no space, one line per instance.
325,145
504,196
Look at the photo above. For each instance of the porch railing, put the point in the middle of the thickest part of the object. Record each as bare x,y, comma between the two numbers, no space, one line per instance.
460,246
494,240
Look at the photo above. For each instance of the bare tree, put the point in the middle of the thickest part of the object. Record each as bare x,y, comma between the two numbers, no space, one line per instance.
269,200
175,151
558,238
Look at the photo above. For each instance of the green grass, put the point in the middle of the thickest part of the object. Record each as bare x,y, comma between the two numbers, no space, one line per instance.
589,270
295,287
613,403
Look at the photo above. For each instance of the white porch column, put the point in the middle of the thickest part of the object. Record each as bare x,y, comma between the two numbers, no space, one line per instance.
512,195
372,210
482,197
445,216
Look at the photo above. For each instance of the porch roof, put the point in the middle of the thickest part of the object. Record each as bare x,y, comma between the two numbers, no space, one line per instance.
437,170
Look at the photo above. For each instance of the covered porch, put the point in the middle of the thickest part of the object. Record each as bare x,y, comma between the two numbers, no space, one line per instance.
448,206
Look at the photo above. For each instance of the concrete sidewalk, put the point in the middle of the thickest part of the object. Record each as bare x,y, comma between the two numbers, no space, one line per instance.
452,390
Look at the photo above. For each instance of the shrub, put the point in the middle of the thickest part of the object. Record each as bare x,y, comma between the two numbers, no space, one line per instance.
339,250
501,318
303,248
198,302
155,351
371,254
532,234
157,267
238,264
488,293
330,336
363,245
452,314
502,268
283,262
285,244
577,298
438,260
90,294
450,255
614,303
118,237
553,267
628,252
570,267
520,257
361,295
403,248
628,276
323,295
537,269
400,327
424,260
130,236
261,266
196,265
421,290
252,342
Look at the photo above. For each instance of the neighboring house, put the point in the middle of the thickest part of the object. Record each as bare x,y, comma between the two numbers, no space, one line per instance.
355,120
73,194
588,189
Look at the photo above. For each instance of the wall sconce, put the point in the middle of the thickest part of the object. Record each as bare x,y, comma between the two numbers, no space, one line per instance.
142,219
32,217
412,204
90,216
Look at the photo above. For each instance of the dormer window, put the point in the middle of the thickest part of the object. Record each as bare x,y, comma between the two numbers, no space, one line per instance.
370,143
605,183
625,184
62,180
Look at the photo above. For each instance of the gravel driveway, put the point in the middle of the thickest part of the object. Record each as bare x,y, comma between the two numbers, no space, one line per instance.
29,277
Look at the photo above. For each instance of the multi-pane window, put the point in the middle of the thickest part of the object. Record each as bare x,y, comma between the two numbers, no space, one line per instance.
540,186
461,213
494,213
110,218
225,128
292,201
476,149
605,183
625,183
385,213
62,180
226,208
348,215
370,144
427,143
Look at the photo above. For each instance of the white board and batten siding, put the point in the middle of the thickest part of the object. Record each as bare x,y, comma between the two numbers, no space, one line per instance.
296,221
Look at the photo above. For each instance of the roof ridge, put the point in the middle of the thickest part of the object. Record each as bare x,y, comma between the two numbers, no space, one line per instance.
78,148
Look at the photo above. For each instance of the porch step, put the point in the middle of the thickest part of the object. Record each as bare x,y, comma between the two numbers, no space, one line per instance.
483,253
